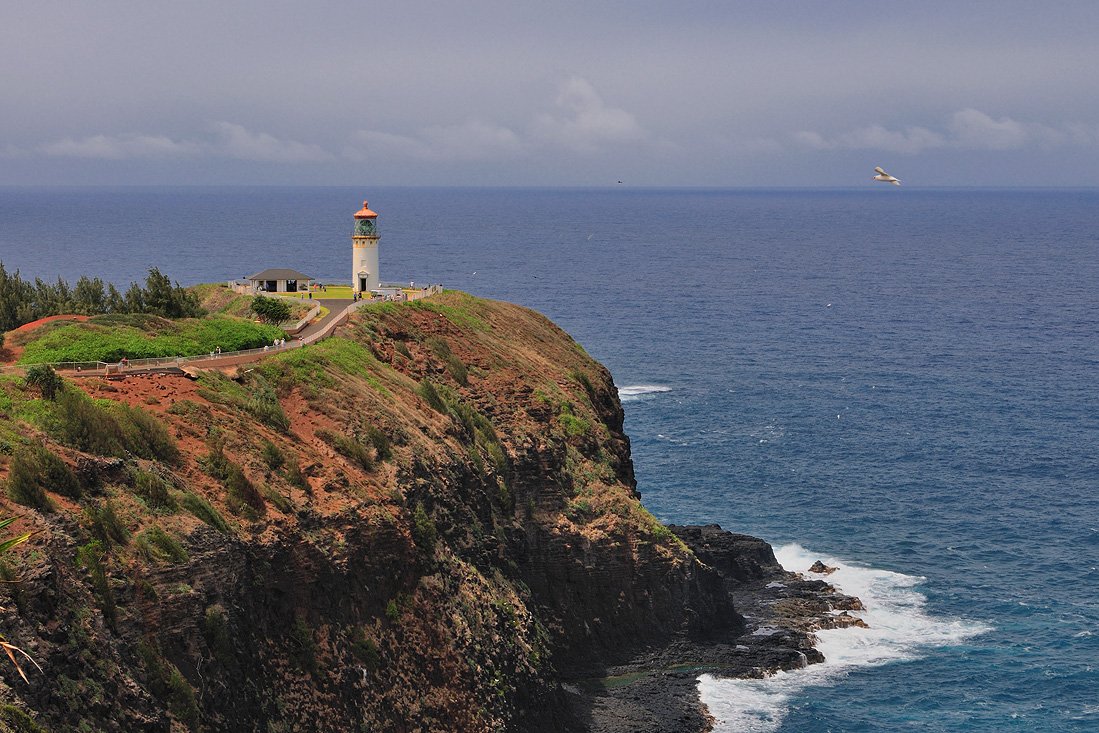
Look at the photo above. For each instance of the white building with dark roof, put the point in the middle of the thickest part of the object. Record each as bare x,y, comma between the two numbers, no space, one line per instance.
280,280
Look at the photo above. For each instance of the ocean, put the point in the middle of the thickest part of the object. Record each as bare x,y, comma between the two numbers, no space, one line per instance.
900,382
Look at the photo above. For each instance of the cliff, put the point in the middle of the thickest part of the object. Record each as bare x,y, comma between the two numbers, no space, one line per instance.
428,522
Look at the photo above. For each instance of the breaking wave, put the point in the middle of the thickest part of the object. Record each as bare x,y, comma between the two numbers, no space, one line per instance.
899,628
635,392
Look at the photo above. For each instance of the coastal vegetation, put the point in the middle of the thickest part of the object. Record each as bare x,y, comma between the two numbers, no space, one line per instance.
109,338
23,301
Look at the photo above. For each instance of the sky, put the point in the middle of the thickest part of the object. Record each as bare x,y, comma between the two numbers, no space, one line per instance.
797,93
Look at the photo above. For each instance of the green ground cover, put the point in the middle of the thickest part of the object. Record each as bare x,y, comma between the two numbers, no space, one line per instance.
110,338
333,291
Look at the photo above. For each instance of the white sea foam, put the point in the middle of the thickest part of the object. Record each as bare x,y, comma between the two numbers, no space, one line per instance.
635,392
899,629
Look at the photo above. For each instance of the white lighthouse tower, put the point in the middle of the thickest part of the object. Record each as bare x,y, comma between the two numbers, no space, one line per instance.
364,243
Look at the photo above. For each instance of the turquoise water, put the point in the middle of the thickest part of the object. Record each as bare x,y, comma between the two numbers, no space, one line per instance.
902,381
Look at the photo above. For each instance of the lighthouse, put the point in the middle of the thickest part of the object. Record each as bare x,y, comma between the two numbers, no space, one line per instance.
364,248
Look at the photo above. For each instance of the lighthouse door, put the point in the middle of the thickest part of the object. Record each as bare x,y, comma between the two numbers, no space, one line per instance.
362,284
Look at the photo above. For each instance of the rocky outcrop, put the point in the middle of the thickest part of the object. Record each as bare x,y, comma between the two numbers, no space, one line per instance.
428,522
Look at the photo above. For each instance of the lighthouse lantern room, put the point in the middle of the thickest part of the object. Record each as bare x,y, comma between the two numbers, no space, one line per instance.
364,243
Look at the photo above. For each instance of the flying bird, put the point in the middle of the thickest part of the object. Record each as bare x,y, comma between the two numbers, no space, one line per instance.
885,177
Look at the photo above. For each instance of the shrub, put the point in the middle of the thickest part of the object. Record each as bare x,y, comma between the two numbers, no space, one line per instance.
215,462
79,422
156,545
430,395
91,557
295,477
272,456
181,698
34,470
145,436
584,381
454,365
244,498
348,447
282,503
264,404
154,490
270,310
43,378
105,526
383,450
302,647
424,533
215,629
204,511
15,720
365,649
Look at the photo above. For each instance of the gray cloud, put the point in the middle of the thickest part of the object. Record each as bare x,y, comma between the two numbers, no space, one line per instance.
584,121
967,129
471,140
228,140
580,122
570,92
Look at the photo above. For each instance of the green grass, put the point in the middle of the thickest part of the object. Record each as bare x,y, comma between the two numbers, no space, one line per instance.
109,338
334,292
308,366
460,309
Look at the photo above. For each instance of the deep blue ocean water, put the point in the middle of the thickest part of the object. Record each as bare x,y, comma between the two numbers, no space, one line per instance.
903,381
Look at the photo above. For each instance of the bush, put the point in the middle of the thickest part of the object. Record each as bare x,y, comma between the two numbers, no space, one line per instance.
79,422
91,557
244,498
204,511
424,533
454,365
295,477
156,545
272,456
348,447
302,647
34,470
215,462
282,503
430,395
43,378
145,436
270,310
215,629
15,720
105,526
383,450
154,490
109,430
365,649
264,404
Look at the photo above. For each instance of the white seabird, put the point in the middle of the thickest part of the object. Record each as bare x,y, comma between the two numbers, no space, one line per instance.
885,177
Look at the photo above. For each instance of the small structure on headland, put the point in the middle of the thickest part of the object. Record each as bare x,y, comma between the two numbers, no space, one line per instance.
280,280
366,282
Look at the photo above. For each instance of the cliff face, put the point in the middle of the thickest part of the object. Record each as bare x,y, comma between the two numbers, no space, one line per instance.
425,523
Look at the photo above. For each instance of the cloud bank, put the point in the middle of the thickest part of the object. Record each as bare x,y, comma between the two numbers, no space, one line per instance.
225,140
966,129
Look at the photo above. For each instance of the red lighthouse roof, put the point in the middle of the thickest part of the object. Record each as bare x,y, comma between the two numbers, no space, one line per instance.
366,213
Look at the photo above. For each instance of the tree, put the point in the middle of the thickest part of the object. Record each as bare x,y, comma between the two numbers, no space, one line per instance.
270,310
43,378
